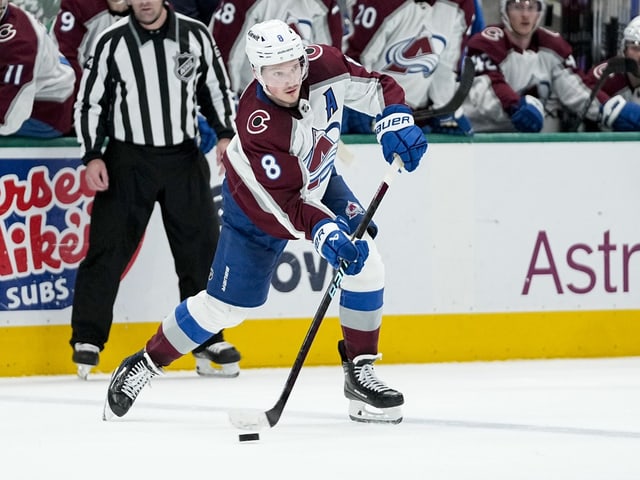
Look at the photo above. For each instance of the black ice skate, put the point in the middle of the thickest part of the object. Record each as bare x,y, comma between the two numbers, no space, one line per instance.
221,353
126,383
371,401
85,356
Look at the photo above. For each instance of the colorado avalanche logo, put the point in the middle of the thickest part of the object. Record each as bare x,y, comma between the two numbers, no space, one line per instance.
420,54
257,122
7,32
599,70
320,161
313,51
492,33
353,210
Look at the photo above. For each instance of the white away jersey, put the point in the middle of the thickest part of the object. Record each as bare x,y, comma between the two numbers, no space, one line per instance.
505,73
34,82
616,84
76,29
417,43
278,165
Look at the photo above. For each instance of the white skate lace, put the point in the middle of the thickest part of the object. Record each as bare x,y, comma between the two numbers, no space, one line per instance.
137,378
367,378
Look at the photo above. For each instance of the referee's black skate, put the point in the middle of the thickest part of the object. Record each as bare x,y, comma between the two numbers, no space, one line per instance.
370,399
126,383
220,359
85,356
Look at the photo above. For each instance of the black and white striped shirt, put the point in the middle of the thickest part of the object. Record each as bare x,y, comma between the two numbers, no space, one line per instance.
145,87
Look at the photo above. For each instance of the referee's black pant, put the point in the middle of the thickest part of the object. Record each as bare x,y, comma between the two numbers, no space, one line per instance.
178,179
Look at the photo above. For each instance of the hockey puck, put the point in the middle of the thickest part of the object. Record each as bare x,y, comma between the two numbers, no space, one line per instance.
248,437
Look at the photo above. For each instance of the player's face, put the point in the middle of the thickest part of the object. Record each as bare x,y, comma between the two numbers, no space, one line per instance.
523,16
283,82
633,51
150,13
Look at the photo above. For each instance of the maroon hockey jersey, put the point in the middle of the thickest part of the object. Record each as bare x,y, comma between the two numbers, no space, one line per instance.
35,80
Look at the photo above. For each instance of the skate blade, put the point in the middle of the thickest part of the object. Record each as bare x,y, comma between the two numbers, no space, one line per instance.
205,368
249,419
107,413
83,371
364,413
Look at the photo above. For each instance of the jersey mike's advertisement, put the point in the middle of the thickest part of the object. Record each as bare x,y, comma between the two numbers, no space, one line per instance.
44,225
492,236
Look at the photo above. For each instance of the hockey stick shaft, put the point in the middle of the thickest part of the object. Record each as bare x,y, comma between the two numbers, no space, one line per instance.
273,415
466,81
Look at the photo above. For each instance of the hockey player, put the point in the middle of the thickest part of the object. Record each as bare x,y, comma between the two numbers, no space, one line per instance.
281,185
316,21
526,74
625,84
36,81
78,24
419,44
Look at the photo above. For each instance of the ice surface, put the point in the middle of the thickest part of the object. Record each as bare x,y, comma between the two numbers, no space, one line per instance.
518,420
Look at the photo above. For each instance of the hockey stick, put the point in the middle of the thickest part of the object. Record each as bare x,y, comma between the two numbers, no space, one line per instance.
466,81
614,65
253,419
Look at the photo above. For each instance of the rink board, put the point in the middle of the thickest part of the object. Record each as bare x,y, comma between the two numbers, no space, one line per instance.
507,246
405,339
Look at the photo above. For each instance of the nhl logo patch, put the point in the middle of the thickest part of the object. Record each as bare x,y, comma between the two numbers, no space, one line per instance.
185,66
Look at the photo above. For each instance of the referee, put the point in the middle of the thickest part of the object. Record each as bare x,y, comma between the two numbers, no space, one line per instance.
154,85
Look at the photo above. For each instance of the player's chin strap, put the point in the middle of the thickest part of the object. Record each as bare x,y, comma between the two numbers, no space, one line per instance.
252,419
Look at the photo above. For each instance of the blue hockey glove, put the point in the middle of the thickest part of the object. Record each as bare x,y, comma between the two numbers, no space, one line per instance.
454,124
397,134
208,137
528,116
620,115
331,241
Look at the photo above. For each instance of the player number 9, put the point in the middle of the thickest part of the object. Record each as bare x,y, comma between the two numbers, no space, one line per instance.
67,21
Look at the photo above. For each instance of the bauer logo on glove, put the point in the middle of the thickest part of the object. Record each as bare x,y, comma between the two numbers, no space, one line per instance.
395,121
396,132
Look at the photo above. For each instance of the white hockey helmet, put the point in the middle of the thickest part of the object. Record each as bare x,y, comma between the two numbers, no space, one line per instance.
273,42
3,7
631,34
505,17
